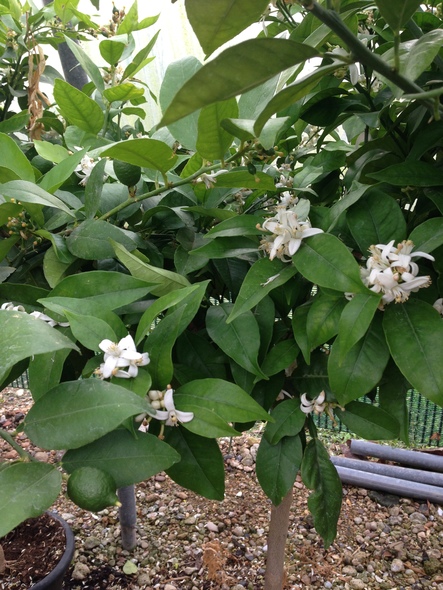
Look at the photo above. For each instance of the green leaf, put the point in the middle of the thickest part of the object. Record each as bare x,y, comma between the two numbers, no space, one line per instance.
160,305
87,64
412,331
299,328
409,174
243,179
368,421
143,152
45,371
99,407
128,459
376,219
281,356
77,108
257,284
362,367
27,336
109,289
428,236
15,123
319,474
89,330
236,70
167,280
240,225
327,262
355,320
14,159
53,152
288,421
177,73
228,19
277,466
201,467
123,92
28,489
54,178
28,192
111,51
423,53
91,240
140,59
240,339
392,393
132,23
397,12
212,139
94,188
291,94
208,398
323,319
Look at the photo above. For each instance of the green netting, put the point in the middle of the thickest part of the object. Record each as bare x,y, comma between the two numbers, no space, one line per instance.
425,420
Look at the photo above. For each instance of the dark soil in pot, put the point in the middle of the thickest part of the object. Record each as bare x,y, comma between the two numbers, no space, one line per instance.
33,551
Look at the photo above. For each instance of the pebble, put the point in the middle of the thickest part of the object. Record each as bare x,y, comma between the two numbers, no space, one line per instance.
189,520
397,566
211,527
42,456
418,517
170,587
143,580
358,584
80,571
349,570
237,531
91,542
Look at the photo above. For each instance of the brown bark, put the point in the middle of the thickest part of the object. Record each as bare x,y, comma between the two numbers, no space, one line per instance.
278,532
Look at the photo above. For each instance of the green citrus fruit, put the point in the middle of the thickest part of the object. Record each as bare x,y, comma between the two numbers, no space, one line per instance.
92,489
127,174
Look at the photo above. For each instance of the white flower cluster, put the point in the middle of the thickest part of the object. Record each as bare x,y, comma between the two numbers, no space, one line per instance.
163,402
316,405
391,271
119,356
36,314
288,232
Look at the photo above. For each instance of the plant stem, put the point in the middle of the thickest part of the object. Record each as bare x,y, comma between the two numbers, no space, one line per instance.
127,514
10,440
360,52
278,532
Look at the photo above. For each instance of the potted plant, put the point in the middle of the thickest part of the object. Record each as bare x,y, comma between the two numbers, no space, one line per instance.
228,266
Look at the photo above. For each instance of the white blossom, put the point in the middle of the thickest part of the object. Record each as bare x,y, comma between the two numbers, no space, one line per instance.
120,356
36,314
316,405
438,305
209,179
170,414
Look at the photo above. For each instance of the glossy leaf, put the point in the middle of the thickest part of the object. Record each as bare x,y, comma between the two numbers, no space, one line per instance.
397,12
376,219
319,474
54,179
111,50
288,421
362,367
263,276
123,92
428,236
355,320
109,289
240,339
167,281
417,355
280,357
45,371
277,466
423,53
208,398
243,179
52,422
27,336
325,260
228,19
201,467
14,159
77,108
28,489
89,330
323,318
212,139
87,64
28,192
409,174
94,188
127,458
369,422
91,240
143,152
236,70
299,328
140,59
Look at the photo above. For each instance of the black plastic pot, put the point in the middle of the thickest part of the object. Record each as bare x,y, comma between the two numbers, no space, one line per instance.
54,580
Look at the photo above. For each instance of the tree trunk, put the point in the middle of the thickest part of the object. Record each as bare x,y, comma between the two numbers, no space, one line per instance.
278,532
128,516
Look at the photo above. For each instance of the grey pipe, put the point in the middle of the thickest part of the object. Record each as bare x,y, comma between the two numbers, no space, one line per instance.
417,475
392,485
414,458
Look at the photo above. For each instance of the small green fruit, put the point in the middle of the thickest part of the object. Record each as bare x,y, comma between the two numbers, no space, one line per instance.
127,174
92,489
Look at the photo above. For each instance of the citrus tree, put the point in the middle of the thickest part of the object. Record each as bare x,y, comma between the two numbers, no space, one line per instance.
270,251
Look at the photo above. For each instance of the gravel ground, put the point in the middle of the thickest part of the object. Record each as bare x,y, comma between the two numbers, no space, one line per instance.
190,543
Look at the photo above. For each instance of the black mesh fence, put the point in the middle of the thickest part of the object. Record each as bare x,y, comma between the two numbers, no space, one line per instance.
425,418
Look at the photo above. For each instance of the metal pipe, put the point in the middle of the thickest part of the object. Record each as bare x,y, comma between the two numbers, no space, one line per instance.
428,477
414,458
392,485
